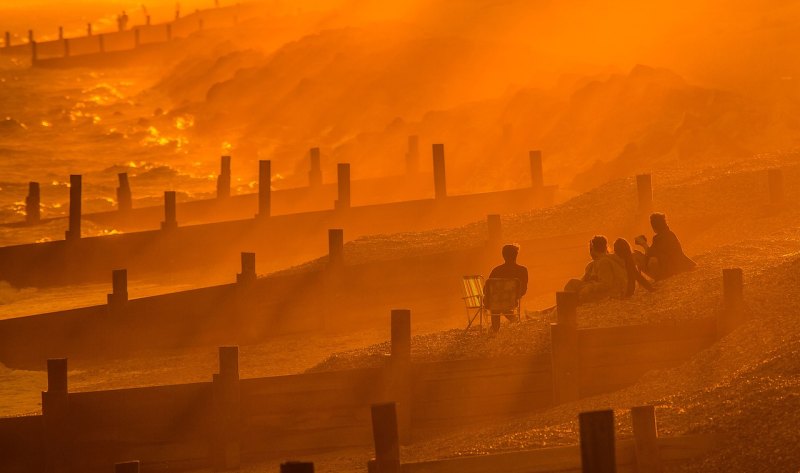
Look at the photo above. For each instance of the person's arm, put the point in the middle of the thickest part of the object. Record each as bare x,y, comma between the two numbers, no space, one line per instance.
643,281
655,250
523,282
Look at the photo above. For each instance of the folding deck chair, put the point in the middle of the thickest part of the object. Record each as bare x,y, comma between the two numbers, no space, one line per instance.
473,299
502,298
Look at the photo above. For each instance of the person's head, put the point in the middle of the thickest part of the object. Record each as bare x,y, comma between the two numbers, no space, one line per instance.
659,222
510,253
598,246
622,248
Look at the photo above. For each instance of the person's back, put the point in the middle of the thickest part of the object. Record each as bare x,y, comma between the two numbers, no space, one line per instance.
666,251
508,270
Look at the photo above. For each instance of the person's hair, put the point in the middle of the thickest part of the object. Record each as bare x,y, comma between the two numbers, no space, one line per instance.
623,249
598,244
510,252
659,222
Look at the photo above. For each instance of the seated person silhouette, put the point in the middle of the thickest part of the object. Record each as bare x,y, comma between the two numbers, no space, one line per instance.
508,270
605,276
665,257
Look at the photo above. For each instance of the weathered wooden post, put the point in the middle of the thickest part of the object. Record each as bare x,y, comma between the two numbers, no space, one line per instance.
224,178
597,442
226,447
386,439
335,248
55,413
439,178
66,48
564,351
315,173
137,39
644,189
8,39
127,467
495,228
248,274
119,289
169,32
775,186
537,170
732,312
343,186
60,33
101,43
412,155
74,232
147,20
400,370
124,197
33,204
30,36
297,467
34,53
170,211
645,437
88,29
264,188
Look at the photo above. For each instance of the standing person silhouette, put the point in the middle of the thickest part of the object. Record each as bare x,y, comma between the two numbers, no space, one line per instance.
509,270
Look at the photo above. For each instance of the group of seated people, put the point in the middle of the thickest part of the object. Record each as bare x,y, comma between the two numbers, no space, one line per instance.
612,274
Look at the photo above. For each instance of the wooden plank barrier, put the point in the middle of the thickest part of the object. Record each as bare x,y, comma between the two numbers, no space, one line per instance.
297,467
564,337
597,442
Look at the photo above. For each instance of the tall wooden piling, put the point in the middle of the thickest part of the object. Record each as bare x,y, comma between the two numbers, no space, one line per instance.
597,442
335,248
537,169
101,43
732,313
226,446
137,39
645,437
147,20
248,274
400,371
315,172
297,467
386,438
75,189
60,33
412,155
33,204
127,467
8,39
88,29
124,196
439,177
34,53
564,351
224,178
66,48
30,36
343,186
644,189
55,413
170,211
495,228
119,289
775,177
264,188
168,32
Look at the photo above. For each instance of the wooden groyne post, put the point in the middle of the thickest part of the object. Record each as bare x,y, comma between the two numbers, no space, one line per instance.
124,196
126,467
119,289
101,43
224,178
88,29
55,413
343,186
412,155
60,33
386,439
75,186
644,189
645,437
439,176
315,172
8,39
495,228
400,370
537,169
732,313
775,178
248,274
564,351
33,204
598,453
264,188
170,211
335,248
66,48
226,446
137,39
297,467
